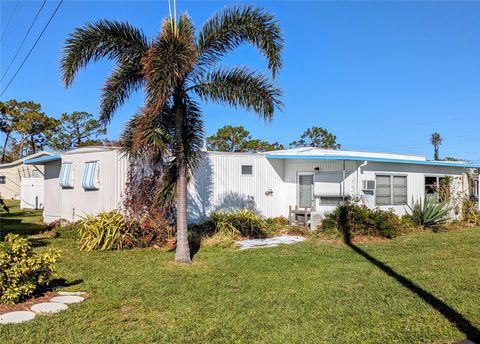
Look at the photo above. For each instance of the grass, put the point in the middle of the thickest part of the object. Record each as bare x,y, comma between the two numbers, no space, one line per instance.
305,293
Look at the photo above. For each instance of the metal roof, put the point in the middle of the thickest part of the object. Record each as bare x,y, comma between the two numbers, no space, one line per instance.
43,159
374,159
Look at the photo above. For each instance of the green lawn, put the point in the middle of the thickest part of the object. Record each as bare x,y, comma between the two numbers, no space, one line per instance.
305,293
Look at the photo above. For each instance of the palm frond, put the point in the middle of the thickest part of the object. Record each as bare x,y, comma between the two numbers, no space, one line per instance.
240,87
233,26
102,39
168,62
126,78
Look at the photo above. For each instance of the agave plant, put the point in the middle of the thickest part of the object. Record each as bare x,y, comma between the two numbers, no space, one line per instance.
429,212
176,70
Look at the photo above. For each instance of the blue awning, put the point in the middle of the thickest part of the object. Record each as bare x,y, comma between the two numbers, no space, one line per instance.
364,158
42,160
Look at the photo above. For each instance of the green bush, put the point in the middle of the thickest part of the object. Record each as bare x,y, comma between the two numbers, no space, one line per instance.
351,219
242,223
22,270
114,231
429,213
470,213
106,231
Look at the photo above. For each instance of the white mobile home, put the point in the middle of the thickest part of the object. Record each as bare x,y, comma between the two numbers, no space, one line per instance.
317,180
24,182
83,181
295,183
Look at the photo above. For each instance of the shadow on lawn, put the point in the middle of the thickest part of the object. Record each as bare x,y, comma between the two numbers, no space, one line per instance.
454,317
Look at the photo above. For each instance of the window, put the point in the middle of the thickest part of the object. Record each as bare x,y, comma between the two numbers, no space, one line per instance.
90,176
3,179
247,170
391,190
438,187
66,175
305,190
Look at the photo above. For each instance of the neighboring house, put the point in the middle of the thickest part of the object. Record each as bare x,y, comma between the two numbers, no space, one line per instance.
12,175
315,181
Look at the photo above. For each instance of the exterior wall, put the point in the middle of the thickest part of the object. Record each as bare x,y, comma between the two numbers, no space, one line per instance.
74,203
415,180
218,184
13,178
32,193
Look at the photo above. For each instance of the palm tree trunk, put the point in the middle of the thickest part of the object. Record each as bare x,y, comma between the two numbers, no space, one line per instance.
182,253
7,136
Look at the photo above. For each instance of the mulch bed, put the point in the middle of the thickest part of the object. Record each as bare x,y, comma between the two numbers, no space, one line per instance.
25,305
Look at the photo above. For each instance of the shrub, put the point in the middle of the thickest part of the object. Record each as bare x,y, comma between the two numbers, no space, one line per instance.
429,213
106,231
243,223
113,231
470,213
22,270
351,219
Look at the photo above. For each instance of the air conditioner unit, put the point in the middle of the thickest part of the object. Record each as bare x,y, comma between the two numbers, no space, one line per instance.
368,185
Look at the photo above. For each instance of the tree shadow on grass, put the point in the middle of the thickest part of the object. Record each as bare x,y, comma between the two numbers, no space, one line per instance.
18,226
454,317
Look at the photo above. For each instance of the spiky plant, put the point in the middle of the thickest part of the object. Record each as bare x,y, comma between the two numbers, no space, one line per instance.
429,212
175,68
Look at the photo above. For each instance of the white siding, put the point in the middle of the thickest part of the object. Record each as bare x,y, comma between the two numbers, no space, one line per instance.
218,183
73,204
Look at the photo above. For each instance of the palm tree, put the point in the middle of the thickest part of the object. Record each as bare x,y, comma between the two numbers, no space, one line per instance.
176,70
436,141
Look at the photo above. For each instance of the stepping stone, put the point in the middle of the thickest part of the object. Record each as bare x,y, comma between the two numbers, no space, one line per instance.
68,299
49,307
16,317
70,293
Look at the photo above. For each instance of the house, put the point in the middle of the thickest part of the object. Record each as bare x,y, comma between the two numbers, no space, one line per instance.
15,174
303,183
83,181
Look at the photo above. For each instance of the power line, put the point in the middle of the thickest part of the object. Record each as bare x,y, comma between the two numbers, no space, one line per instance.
33,47
24,39
9,20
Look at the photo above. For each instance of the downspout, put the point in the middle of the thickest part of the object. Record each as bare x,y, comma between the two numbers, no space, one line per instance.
365,163
343,188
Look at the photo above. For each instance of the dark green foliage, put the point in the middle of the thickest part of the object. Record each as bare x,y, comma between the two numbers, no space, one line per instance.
77,129
22,270
238,139
351,220
317,137
429,212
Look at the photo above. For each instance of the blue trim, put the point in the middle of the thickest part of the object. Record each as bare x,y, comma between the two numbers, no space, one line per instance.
363,158
43,159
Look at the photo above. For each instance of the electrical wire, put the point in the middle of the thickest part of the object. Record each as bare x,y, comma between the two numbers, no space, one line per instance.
33,47
9,20
24,39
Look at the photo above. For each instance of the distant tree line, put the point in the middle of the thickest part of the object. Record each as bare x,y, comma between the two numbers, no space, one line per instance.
28,130
238,139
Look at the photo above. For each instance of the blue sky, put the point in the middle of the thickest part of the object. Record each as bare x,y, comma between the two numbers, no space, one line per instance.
382,76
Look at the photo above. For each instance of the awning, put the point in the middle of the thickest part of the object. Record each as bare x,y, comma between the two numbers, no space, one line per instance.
364,158
42,160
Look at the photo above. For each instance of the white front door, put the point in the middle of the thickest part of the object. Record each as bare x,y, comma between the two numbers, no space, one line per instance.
305,189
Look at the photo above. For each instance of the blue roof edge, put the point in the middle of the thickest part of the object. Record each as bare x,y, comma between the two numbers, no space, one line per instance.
363,158
42,159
